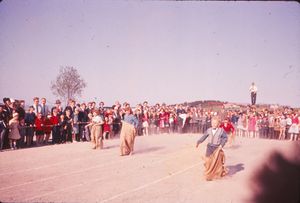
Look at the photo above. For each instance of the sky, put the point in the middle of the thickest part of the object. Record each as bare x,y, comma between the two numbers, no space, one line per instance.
155,51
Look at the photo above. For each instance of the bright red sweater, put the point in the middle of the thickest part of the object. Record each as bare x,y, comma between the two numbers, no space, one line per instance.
38,124
228,128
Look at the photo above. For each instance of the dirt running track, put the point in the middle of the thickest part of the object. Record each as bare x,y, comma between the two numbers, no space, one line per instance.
164,168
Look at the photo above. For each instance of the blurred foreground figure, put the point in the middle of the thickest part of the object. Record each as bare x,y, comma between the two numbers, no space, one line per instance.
278,179
215,157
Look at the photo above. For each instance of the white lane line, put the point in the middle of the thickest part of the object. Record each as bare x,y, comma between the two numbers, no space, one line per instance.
79,171
66,174
60,163
51,165
123,193
53,192
149,184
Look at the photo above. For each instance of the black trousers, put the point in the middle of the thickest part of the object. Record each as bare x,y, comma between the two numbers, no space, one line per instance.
253,98
56,137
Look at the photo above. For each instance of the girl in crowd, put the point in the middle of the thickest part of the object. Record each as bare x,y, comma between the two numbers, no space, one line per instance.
69,127
22,131
252,126
294,129
55,129
29,123
276,128
76,125
88,127
282,128
145,120
162,117
62,128
39,129
47,128
14,134
106,128
172,122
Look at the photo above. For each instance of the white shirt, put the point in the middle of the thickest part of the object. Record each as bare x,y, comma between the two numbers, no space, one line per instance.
214,131
97,119
289,121
253,88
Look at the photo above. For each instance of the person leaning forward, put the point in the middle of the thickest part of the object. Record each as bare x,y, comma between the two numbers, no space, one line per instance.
214,157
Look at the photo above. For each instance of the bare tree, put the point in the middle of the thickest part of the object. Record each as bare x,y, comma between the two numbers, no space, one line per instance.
68,83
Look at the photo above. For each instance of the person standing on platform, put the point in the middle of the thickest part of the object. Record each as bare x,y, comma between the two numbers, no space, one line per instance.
253,91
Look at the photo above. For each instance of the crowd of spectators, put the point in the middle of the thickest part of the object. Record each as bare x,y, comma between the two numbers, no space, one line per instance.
40,124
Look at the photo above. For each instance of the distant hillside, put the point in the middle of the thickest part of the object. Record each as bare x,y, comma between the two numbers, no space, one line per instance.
215,104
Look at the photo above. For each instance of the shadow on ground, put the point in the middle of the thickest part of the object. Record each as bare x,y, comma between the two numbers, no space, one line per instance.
233,169
148,150
111,146
234,147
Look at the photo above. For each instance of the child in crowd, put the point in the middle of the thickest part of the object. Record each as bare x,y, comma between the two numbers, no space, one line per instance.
29,123
14,134
47,128
76,125
106,128
39,129
56,137
69,126
63,128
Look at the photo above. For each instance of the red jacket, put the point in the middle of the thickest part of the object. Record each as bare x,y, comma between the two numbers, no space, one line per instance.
228,128
54,120
106,127
38,124
47,125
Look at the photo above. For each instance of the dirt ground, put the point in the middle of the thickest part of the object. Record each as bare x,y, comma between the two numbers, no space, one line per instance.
163,168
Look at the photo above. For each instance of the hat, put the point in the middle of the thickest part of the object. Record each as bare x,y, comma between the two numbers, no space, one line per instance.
57,102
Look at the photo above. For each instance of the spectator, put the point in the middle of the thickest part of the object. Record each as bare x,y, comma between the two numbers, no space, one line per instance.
76,125
37,108
47,128
14,134
282,128
39,129
57,107
83,120
106,128
253,91
69,123
56,135
44,108
29,123
3,127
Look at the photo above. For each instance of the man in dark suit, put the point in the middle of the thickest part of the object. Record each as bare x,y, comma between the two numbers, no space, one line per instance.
7,115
